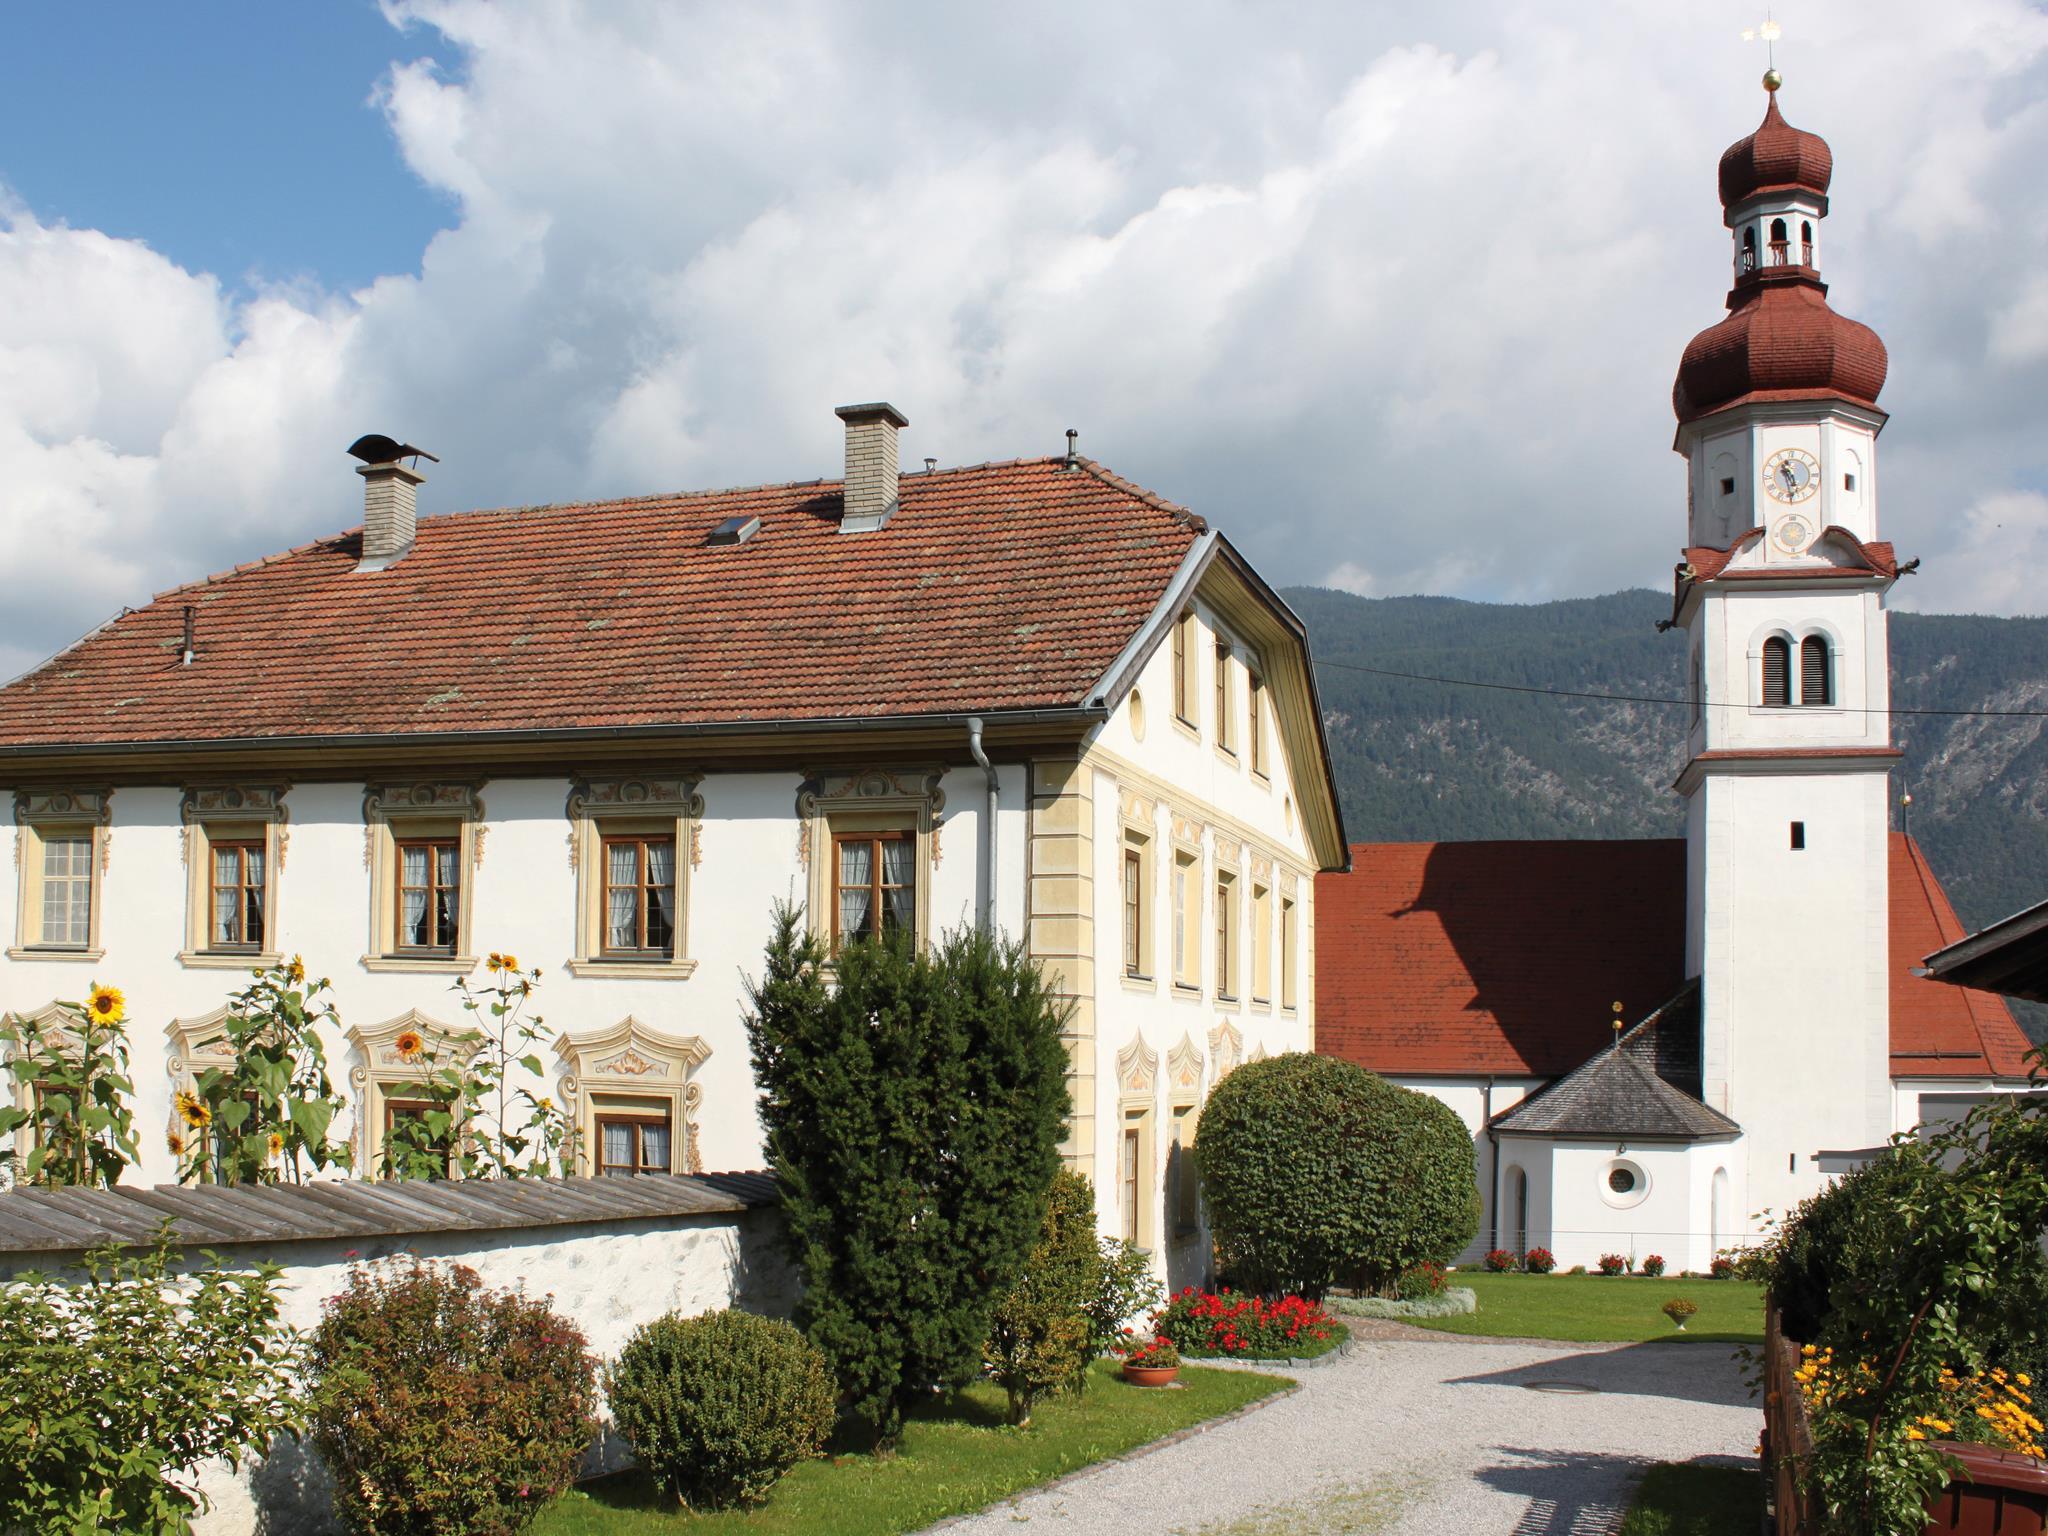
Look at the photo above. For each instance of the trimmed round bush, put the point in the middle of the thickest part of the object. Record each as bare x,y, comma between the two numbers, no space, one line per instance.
446,1407
1318,1172
718,1407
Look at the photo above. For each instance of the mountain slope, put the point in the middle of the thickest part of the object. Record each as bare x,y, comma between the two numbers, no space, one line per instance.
1422,761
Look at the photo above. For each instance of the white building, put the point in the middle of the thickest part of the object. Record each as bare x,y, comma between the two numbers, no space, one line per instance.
1769,1024
607,738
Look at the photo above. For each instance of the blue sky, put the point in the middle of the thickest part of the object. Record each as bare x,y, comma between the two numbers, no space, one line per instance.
1392,294
234,136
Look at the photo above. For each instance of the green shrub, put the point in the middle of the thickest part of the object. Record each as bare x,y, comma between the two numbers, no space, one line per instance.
1316,1171
913,1111
116,1388
444,1407
718,1407
1854,1224
1126,1288
1038,1335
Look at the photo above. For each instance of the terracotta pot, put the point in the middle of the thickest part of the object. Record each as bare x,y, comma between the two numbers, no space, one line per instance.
1150,1375
2001,1492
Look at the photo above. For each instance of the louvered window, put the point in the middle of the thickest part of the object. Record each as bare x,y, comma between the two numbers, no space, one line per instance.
1816,676
1777,672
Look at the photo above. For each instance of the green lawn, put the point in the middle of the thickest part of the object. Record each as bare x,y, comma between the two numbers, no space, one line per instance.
1604,1308
957,1458
1677,1500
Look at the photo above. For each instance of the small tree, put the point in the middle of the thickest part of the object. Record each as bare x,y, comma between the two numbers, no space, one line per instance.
115,1390
1318,1171
1039,1335
913,1109
77,1127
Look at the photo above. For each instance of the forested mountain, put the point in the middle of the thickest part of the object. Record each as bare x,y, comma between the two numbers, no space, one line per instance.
1417,760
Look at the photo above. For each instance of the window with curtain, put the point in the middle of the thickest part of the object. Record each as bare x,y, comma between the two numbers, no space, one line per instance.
67,891
237,895
1134,930
640,896
874,884
1777,672
635,1143
429,895
1816,676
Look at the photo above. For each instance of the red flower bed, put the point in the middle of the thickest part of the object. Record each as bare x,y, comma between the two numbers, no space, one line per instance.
1245,1327
1500,1261
1539,1261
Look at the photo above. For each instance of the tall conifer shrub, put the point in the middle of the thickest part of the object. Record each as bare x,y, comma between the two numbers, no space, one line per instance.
913,1106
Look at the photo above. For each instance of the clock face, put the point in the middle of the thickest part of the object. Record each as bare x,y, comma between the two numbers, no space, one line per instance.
1791,534
1791,474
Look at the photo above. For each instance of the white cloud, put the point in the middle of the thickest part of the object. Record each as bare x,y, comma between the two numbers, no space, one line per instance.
1400,315
1996,564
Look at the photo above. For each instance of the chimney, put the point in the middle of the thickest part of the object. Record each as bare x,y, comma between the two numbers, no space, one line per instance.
390,512
870,464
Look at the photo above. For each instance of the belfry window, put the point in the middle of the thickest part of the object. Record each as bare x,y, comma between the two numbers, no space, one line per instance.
1805,243
1748,259
1777,672
1781,244
1816,674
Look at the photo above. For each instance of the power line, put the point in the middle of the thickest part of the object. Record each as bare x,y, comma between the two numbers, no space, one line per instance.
1644,698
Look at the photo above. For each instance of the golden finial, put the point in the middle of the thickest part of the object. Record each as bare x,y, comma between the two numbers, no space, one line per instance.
1769,32
1617,1025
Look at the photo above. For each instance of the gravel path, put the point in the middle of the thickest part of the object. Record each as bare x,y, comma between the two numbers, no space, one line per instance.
1431,1435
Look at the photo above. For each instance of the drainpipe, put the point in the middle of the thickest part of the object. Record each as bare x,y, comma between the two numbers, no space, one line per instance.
988,836
1493,1169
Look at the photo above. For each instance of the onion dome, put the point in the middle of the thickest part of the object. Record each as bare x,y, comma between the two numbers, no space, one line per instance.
1779,342
1776,158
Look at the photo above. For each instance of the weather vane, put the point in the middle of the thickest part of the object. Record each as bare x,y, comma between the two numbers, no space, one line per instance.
1770,33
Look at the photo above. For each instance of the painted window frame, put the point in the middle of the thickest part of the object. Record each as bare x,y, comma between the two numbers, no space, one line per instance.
604,809
831,804
1290,951
1187,911
382,1074
1255,727
1225,688
1136,905
1262,940
450,812
1229,960
217,814
1187,639
1137,1186
630,1068
637,1114
44,816
877,887
1182,1194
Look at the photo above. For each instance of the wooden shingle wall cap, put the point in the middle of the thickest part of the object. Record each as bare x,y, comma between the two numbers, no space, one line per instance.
208,1215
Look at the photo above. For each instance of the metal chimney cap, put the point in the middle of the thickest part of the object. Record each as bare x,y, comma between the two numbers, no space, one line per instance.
376,448
874,410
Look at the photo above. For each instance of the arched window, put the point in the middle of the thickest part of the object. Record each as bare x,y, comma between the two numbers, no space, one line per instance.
1749,250
1816,676
1777,672
1780,244
1805,243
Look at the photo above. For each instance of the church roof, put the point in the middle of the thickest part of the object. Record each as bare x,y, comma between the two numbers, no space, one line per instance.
1503,959
1644,1087
1775,158
1780,341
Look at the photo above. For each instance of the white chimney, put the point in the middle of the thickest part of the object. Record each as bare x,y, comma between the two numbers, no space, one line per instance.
870,464
390,506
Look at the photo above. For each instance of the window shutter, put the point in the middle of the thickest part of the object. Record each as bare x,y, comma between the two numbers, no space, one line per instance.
1815,676
1777,673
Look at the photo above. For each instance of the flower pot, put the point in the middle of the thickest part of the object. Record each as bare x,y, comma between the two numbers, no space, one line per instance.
1150,1375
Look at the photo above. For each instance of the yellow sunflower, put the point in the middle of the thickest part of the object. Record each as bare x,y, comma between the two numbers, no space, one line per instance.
196,1114
409,1043
495,961
175,1142
296,971
505,962
106,1004
276,1144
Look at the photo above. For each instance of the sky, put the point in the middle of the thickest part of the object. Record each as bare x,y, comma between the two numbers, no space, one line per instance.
1392,294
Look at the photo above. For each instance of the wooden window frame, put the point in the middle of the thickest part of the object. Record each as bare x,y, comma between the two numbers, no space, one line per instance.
217,816
1186,671
44,816
1290,946
863,802
397,1104
244,847
435,844
1262,942
878,888
1809,647
1255,723
1782,648
1135,892
640,842
69,838
1228,981
614,1114
1226,716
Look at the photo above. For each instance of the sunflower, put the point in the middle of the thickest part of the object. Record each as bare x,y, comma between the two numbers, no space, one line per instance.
196,1113
175,1142
496,961
296,971
106,1004
505,962
409,1043
276,1144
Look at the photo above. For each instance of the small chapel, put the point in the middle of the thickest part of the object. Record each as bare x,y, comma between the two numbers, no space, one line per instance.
1660,1045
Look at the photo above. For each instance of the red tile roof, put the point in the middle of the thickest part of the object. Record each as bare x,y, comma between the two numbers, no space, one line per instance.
1776,158
1505,958
1780,341
997,587
1707,563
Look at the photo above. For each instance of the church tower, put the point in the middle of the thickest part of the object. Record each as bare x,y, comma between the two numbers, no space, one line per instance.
1781,598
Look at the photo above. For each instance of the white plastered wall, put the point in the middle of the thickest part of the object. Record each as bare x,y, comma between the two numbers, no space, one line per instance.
1673,1211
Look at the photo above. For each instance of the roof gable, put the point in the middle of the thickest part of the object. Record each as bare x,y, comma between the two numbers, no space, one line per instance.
1643,1087
997,587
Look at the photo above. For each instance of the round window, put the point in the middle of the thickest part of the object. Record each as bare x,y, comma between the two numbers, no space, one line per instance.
1624,1184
